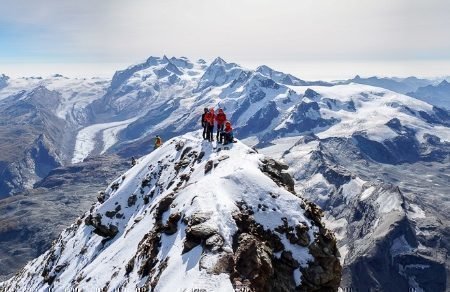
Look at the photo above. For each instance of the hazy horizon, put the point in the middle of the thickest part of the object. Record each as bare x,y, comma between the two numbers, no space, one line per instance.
307,70
307,38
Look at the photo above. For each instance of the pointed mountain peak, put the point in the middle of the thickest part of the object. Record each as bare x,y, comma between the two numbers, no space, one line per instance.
265,70
219,61
444,83
165,59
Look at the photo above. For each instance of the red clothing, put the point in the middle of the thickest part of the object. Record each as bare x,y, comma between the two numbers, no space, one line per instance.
209,118
228,128
221,118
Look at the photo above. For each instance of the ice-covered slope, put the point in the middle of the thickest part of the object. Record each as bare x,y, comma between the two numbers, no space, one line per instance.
74,94
190,217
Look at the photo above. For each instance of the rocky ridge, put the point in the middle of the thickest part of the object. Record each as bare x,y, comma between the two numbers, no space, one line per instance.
211,220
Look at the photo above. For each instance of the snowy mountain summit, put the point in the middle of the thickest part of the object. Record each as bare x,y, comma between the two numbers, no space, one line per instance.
186,217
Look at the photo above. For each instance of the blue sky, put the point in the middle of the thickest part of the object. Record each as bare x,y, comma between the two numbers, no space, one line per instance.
48,34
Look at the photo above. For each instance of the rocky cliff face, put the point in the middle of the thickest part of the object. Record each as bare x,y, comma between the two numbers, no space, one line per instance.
31,139
191,217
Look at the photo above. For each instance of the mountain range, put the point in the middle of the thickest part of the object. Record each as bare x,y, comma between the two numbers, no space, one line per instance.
376,161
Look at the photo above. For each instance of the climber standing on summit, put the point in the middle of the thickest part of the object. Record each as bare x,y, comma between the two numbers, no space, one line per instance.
221,118
209,119
204,124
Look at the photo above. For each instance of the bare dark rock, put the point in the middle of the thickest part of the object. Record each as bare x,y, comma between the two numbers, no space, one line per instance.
313,212
115,186
200,156
101,197
130,266
182,164
163,206
208,166
105,231
110,214
301,231
172,224
253,261
132,200
145,182
276,171
185,177
147,251
325,271
185,151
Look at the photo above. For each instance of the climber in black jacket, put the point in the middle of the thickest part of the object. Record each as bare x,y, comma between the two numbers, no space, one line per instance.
204,123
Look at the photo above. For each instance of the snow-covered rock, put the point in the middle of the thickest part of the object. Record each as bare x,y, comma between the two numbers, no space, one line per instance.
377,209
191,217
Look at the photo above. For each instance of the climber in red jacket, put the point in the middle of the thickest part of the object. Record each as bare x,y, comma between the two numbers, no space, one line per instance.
209,119
226,136
221,118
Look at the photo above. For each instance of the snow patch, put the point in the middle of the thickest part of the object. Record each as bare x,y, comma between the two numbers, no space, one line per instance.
367,193
352,189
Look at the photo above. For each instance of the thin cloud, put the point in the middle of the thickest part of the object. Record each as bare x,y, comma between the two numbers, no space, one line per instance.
250,30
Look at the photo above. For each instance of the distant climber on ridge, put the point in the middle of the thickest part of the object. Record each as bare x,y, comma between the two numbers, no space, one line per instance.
221,118
204,124
158,142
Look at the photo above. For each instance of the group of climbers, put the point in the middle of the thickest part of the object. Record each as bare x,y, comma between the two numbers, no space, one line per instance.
224,133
